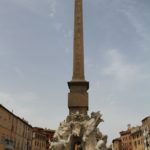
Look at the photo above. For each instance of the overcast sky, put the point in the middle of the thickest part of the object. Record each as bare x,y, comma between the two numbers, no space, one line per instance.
36,43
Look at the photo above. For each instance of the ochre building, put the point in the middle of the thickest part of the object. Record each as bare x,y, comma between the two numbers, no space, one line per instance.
146,132
137,138
116,144
125,137
15,133
134,138
41,138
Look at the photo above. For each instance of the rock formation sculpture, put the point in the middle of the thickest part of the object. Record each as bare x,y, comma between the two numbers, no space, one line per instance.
79,131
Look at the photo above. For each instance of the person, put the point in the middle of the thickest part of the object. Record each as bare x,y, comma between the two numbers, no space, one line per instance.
78,146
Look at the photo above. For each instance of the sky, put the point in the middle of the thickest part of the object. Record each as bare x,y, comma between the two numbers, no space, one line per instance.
36,45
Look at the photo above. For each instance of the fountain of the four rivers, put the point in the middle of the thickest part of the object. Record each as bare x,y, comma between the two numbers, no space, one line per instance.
79,131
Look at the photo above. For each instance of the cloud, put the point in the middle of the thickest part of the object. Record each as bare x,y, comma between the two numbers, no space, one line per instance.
138,15
119,80
19,72
52,6
118,68
47,7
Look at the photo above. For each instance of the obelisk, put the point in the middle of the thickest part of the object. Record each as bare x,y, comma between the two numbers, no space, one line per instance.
78,96
78,130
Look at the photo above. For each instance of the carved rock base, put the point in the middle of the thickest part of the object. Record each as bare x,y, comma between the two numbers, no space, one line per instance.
79,132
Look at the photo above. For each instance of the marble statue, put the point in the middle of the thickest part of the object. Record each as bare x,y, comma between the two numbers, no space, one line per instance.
79,129
101,144
91,124
59,144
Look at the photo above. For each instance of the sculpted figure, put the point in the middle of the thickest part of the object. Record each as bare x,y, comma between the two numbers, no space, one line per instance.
91,124
61,137
76,129
101,144
60,144
98,134
77,116
97,117
63,131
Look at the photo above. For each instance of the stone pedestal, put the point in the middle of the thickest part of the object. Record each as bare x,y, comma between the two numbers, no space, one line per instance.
78,96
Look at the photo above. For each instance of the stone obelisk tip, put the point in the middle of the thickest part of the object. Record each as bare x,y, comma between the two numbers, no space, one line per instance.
78,49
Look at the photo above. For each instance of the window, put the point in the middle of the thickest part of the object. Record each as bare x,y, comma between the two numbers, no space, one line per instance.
135,144
138,142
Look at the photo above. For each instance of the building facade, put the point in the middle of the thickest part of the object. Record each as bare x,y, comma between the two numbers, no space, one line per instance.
49,137
15,133
137,138
125,137
38,139
146,132
41,138
116,144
